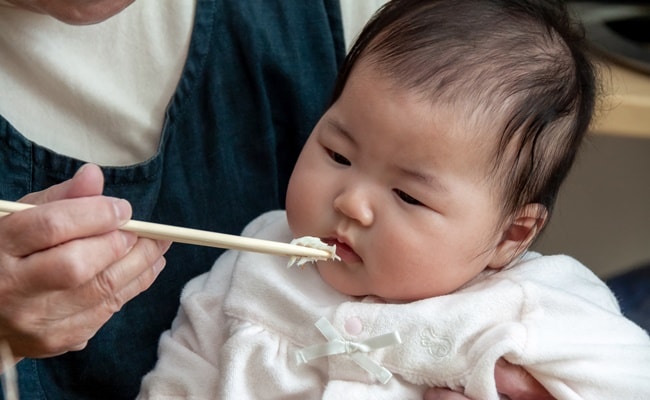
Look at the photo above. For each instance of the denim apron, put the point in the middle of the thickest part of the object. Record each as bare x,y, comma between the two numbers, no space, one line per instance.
257,78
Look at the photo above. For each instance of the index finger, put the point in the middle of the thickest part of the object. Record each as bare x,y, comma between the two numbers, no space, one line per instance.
39,228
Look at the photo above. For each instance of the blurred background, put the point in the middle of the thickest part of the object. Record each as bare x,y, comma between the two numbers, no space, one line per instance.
602,216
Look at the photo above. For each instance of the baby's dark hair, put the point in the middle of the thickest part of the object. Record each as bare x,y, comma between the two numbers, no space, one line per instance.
523,63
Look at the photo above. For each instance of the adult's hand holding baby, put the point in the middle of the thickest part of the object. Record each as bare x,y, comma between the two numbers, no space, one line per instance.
512,381
65,268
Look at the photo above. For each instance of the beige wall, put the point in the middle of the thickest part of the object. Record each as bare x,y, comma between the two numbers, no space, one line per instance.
602,217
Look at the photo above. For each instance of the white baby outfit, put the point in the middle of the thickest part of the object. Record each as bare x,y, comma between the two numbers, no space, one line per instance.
242,325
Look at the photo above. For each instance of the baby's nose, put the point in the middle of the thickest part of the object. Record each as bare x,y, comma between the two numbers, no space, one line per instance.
355,203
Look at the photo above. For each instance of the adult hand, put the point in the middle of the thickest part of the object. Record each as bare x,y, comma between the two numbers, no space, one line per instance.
512,381
65,269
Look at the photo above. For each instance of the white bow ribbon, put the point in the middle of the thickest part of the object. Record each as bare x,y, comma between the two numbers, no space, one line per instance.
356,350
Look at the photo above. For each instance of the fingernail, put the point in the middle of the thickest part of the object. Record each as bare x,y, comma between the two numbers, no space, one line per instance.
81,169
129,239
159,265
164,245
122,210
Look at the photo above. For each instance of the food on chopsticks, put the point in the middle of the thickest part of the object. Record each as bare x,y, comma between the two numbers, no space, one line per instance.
314,243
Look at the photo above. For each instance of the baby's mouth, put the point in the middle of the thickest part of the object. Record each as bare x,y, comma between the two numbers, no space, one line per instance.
343,250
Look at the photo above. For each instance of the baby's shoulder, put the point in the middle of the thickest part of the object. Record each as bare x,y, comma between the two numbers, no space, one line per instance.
558,274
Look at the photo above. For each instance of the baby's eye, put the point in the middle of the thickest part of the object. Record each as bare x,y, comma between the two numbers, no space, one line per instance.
338,158
407,198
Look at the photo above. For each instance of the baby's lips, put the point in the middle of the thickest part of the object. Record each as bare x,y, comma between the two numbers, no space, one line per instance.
344,251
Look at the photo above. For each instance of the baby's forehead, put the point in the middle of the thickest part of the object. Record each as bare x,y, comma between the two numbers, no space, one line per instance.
479,101
476,130
473,114
468,114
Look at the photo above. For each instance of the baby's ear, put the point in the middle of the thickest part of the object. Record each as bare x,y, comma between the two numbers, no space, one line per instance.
518,235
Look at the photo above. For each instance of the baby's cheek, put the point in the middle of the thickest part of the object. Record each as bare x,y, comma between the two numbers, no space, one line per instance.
294,206
294,218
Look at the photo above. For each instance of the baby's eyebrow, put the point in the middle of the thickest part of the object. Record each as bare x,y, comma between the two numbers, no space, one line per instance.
427,179
338,128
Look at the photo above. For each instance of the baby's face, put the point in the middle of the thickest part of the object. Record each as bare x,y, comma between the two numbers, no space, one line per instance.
401,190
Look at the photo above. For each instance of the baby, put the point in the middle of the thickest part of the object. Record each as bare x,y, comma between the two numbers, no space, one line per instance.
452,126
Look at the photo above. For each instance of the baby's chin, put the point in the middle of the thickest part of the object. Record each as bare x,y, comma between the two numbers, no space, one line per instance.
342,284
339,283
366,293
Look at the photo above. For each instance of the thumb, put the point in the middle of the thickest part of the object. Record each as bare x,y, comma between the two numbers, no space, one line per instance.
516,383
443,394
87,181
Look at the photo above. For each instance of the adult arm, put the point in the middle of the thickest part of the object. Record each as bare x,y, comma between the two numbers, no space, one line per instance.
65,268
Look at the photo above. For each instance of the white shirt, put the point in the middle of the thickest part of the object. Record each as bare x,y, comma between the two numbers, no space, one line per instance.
96,92
99,92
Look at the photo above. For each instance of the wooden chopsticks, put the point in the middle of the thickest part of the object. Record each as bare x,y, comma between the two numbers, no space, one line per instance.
198,237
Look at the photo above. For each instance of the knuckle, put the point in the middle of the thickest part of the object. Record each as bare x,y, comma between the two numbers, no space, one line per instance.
74,270
106,283
51,226
111,293
114,303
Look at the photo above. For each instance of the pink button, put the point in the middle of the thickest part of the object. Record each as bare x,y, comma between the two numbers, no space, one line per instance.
353,326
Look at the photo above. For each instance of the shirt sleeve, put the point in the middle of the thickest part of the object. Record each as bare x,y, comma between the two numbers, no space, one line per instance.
580,350
577,343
